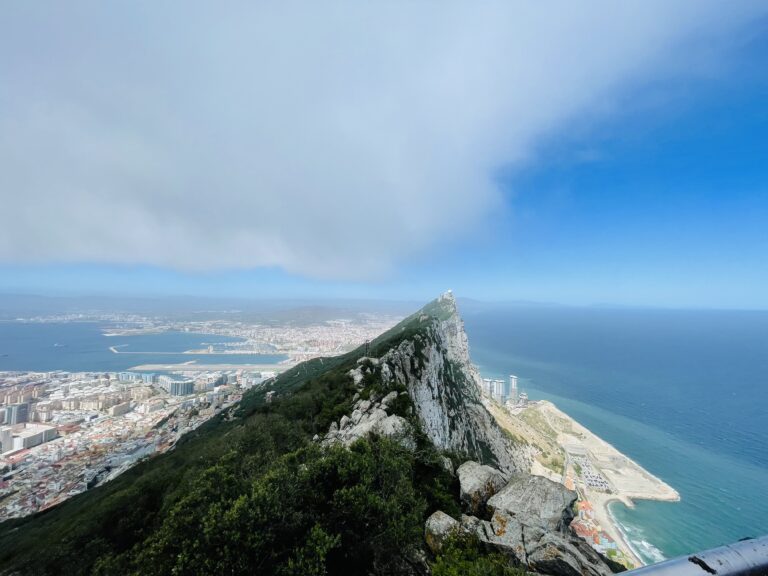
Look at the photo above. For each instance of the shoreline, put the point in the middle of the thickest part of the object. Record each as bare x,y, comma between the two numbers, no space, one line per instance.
655,489
628,480
614,528
194,367
546,427
625,537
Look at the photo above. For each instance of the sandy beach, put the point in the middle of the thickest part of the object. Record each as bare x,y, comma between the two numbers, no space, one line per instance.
594,468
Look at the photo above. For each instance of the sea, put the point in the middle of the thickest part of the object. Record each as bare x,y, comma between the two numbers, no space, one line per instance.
84,347
683,393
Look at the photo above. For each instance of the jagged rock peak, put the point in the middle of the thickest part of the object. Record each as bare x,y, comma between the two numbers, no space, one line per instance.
448,300
443,307
428,355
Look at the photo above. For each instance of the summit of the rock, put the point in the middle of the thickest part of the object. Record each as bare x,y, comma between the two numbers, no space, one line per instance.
428,355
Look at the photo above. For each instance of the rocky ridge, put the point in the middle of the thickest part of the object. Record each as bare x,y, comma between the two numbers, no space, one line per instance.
371,416
431,363
425,379
526,519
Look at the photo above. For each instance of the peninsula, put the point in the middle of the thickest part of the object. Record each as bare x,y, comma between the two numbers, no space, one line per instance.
388,459
569,453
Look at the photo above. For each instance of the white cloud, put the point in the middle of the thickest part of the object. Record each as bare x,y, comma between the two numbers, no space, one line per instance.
329,139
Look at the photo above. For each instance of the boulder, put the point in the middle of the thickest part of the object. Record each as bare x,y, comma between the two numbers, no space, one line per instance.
374,421
529,523
535,501
561,555
438,527
478,483
447,464
553,553
397,428
470,524
503,534
391,426
388,399
356,375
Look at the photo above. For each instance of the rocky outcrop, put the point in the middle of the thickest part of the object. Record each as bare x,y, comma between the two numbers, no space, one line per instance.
536,501
433,364
527,519
438,527
477,484
541,550
428,359
369,416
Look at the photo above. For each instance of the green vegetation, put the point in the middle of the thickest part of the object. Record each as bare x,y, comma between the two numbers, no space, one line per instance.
554,462
312,511
462,556
249,492
536,420
551,457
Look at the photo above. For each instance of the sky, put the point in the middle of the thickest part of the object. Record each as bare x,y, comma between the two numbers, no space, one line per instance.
593,153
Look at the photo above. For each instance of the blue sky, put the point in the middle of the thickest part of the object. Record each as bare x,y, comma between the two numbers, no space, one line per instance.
653,191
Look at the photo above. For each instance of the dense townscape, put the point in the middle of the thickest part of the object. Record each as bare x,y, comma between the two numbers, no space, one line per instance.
297,339
64,433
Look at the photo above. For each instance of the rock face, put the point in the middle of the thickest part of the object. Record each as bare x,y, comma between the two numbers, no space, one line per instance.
368,417
438,527
426,357
529,522
429,358
478,483
434,366
555,553
536,501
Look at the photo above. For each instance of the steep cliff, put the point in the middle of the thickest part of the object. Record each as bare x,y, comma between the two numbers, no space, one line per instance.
432,362
332,468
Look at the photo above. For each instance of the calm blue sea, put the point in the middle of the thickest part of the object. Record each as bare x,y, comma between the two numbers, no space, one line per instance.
683,393
81,346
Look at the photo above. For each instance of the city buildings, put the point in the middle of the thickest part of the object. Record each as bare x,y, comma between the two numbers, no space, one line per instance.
85,428
16,414
495,389
504,392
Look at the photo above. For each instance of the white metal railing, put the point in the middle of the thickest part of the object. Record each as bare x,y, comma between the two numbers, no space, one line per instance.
744,558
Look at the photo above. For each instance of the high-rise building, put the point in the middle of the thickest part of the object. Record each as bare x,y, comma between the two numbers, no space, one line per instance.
513,397
181,387
16,414
6,438
499,393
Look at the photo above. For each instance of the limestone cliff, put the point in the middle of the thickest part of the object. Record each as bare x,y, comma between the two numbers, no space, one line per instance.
419,376
427,355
